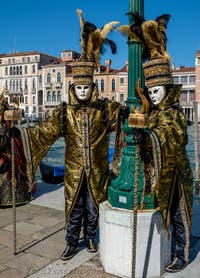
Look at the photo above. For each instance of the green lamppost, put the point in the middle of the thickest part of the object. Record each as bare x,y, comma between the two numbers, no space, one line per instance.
121,191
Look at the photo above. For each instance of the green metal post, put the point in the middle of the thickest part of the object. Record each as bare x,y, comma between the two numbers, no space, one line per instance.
121,191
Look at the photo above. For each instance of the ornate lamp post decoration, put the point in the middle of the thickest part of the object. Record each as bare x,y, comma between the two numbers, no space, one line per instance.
123,188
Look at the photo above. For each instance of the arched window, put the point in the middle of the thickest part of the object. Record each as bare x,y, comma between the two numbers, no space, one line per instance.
14,72
33,69
54,96
33,84
58,77
40,78
17,70
96,82
59,96
113,84
25,84
6,70
10,70
48,77
48,96
102,85
17,85
25,70
20,70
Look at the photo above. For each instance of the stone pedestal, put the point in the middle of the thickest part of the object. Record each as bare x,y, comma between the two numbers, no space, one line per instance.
153,246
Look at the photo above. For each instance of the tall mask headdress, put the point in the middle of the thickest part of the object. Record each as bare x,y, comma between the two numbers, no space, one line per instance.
92,41
157,71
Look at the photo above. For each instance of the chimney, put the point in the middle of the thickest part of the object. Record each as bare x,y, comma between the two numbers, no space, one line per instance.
108,63
126,65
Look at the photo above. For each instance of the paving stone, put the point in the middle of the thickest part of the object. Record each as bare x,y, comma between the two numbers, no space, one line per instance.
84,271
12,273
46,220
6,255
90,269
24,228
59,268
47,249
6,216
39,210
6,238
2,246
57,236
28,263
2,267
49,232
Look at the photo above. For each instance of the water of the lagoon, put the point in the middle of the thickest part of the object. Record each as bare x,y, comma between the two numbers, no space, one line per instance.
55,155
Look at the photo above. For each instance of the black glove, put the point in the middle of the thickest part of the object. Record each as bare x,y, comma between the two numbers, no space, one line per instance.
139,136
124,113
14,132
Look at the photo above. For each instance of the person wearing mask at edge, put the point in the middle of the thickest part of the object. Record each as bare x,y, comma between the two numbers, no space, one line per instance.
86,123
163,142
22,190
167,128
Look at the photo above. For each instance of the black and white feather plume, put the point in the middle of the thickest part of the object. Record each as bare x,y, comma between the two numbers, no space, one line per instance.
93,39
150,33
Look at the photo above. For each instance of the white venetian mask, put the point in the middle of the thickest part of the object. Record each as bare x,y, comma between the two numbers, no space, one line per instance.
83,92
156,94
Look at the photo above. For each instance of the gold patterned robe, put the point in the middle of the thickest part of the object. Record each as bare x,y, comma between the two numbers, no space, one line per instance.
87,142
169,125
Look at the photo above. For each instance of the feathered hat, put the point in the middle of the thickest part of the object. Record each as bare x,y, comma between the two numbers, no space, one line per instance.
157,70
152,36
92,42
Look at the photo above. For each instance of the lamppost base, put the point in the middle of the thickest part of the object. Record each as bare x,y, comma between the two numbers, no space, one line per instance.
153,246
125,199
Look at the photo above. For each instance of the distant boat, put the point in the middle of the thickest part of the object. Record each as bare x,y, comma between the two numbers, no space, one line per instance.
55,174
51,174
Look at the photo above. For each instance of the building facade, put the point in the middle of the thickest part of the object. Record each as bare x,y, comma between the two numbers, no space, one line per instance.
39,82
186,76
19,75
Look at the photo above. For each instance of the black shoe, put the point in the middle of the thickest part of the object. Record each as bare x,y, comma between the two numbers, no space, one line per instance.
69,252
176,265
91,246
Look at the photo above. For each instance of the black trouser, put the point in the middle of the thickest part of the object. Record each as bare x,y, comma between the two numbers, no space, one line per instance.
83,211
179,240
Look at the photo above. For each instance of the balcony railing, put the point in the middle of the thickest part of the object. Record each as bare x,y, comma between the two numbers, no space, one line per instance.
48,85
51,103
58,84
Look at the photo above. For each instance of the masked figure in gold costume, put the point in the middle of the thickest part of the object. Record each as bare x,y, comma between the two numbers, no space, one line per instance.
174,183
163,144
86,123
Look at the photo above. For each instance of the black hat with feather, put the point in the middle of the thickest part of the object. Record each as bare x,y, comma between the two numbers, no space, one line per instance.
92,42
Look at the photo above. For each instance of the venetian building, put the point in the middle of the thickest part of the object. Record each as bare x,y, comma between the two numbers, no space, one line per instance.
186,76
19,74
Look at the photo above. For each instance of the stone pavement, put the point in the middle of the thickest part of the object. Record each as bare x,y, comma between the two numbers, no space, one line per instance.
40,241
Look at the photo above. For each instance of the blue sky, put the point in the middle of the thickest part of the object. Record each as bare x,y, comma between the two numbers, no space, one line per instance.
50,26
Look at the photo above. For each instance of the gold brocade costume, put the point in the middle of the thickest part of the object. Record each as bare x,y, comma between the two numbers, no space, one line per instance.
87,142
169,124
